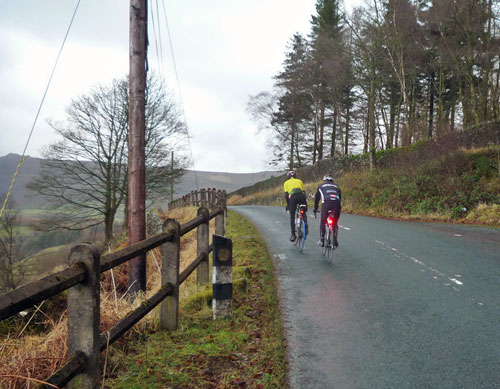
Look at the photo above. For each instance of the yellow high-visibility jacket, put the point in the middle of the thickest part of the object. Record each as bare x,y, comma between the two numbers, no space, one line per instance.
293,185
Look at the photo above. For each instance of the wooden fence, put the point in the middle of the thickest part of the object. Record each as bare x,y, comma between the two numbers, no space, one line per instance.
208,198
81,279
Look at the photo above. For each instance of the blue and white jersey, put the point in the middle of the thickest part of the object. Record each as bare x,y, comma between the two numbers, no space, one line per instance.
327,192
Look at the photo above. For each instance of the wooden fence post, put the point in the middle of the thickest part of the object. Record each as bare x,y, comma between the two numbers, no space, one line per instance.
224,200
209,199
214,197
203,198
224,204
202,272
170,264
220,224
84,314
222,277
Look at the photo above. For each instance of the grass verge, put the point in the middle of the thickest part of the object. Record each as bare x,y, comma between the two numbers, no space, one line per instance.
247,350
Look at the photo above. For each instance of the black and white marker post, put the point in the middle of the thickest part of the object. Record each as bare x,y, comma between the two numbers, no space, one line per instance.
222,277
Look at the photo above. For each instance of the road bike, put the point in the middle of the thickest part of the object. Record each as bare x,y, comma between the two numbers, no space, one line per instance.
301,226
331,232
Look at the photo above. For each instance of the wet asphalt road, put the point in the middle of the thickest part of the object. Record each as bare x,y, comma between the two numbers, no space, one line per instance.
405,305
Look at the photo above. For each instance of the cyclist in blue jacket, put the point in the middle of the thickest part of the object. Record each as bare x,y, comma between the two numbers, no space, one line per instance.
330,195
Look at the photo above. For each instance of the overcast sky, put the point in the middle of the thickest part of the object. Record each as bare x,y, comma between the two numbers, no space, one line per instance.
225,51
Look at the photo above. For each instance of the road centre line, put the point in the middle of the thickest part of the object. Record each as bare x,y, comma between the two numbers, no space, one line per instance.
437,274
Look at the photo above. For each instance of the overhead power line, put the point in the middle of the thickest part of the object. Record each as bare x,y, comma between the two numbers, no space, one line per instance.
39,110
180,92
157,32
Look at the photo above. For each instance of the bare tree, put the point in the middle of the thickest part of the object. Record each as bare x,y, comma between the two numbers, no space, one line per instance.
84,175
261,108
403,47
12,272
368,39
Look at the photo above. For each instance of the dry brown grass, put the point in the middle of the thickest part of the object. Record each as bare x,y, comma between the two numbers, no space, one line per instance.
235,200
488,214
270,195
273,196
26,360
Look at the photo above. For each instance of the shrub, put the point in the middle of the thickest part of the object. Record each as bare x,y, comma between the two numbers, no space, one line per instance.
485,214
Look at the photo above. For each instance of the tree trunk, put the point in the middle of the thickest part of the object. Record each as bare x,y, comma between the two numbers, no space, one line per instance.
334,131
496,96
108,227
398,125
292,146
380,136
321,131
392,116
440,113
431,106
483,108
297,151
413,114
371,121
366,133
315,144
346,138
452,119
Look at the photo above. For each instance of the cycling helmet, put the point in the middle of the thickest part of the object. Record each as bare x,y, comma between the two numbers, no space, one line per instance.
328,177
291,174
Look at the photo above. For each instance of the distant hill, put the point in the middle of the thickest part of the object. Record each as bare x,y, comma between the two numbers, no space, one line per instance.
27,172
31,166
228,181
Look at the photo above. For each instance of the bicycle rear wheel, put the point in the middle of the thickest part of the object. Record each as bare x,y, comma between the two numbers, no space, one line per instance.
330,247
302,235
326,243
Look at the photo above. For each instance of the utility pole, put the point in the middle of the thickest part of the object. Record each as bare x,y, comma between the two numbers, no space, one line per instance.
137,126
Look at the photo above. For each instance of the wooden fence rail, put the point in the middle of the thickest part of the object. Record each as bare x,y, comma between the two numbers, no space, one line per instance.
81,279
208,198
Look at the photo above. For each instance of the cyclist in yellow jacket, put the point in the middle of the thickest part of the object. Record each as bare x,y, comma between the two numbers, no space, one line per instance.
294,195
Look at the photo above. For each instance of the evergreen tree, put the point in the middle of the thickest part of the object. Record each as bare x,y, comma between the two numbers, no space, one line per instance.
294,100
